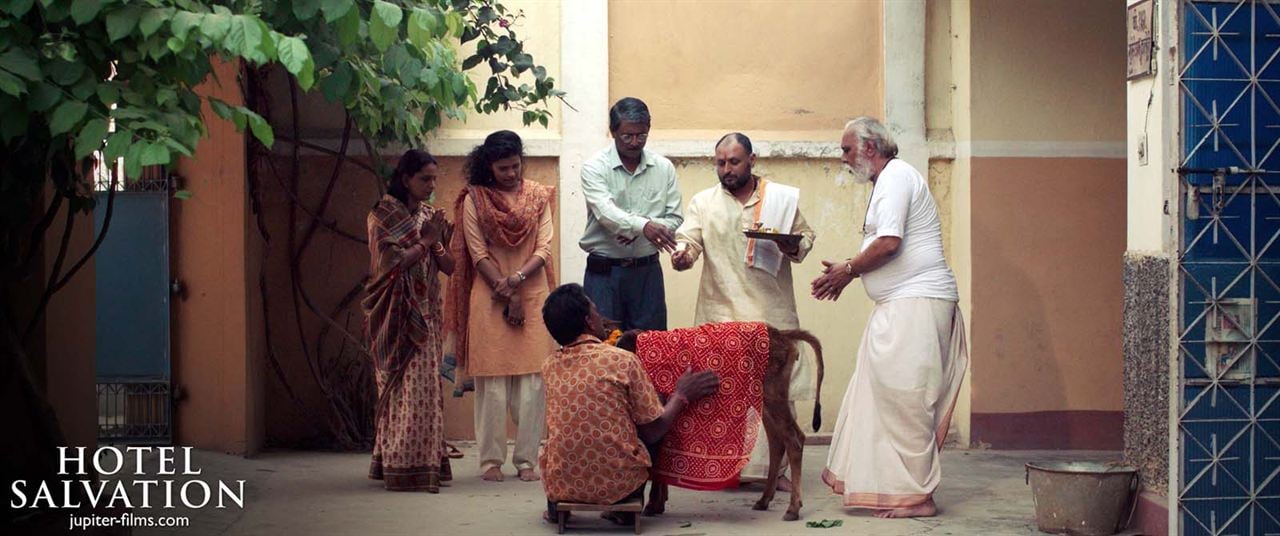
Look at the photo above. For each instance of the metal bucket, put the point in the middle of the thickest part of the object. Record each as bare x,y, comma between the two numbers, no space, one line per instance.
1083,497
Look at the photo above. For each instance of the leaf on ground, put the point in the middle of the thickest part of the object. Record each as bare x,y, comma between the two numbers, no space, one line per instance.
686,524
824,524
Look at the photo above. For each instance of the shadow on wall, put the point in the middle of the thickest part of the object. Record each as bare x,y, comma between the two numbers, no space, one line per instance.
1010,354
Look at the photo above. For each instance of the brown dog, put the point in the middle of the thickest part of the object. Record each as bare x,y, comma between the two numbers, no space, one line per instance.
780,428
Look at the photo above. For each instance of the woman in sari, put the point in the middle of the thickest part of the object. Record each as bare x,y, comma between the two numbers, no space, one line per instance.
504,275
408,247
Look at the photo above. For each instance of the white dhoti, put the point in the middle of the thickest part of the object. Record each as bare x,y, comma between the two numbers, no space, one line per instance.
887,446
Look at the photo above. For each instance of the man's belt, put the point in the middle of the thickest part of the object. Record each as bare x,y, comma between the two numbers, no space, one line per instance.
602,264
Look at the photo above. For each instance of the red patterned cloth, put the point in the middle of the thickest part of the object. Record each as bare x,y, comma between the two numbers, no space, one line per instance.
710,442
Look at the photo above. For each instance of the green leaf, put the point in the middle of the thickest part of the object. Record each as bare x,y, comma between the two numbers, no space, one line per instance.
423,27
117,144
108,93
18,8
245,38
215,26
349,28
305,9
91,137
152,19
182,23
153,154
19,62
85,88
471,62
824,524
336,9
453,21
388,13
336,84
294,56
459,88
11,84
261,129
223,109
522,62
83,11
66,72
121,22
384,25
66,116
133,162
43,97
182,194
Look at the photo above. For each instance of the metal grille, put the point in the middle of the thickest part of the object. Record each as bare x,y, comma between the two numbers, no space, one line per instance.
134,412
1229,269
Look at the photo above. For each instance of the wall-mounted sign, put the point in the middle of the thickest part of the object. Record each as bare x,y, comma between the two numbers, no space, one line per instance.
1139,19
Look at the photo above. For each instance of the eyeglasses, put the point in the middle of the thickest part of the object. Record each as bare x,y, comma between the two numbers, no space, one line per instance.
632,138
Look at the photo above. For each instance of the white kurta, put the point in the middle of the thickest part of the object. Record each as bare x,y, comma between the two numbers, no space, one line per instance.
732,291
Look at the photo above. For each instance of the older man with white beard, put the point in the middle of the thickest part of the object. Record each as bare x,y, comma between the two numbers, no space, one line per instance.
886,450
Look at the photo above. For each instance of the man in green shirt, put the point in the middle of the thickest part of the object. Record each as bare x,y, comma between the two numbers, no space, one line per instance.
633,203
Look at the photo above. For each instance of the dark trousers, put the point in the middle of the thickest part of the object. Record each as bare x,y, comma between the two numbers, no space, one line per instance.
632,295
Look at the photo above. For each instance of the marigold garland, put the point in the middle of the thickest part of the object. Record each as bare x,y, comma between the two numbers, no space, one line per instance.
613,337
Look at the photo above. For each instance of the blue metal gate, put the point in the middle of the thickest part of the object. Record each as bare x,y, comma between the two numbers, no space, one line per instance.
132,312
1229,269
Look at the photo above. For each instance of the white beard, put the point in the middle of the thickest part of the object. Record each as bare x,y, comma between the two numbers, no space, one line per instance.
860,174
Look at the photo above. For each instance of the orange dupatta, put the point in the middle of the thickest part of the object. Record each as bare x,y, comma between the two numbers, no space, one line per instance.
503,223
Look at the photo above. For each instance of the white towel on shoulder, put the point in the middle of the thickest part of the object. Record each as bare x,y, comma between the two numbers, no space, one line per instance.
777,210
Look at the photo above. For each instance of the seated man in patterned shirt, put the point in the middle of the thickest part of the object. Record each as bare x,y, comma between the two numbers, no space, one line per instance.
604,418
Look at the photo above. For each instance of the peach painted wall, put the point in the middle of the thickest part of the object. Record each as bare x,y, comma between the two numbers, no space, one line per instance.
1045,115
211,253
1048,241
750,65
1048,71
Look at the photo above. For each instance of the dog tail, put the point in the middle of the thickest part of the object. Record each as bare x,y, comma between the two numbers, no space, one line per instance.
802,335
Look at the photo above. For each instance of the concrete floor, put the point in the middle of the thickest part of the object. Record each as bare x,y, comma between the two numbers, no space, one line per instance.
316,493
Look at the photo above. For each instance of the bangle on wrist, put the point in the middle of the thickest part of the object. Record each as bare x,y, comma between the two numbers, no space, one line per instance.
437,249
848,267
520,274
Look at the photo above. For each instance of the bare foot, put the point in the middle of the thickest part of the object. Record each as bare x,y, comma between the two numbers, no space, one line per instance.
528,475
494,474
925,509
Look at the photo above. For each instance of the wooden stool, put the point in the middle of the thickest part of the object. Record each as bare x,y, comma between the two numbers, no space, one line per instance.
633,505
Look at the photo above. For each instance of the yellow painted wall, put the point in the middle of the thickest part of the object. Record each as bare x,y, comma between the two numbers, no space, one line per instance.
748,65
1048,71
835,212
938,79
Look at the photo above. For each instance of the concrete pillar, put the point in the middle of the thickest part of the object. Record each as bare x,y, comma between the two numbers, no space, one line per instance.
584,64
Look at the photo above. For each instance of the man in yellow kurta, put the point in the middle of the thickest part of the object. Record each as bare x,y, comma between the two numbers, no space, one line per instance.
742,279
